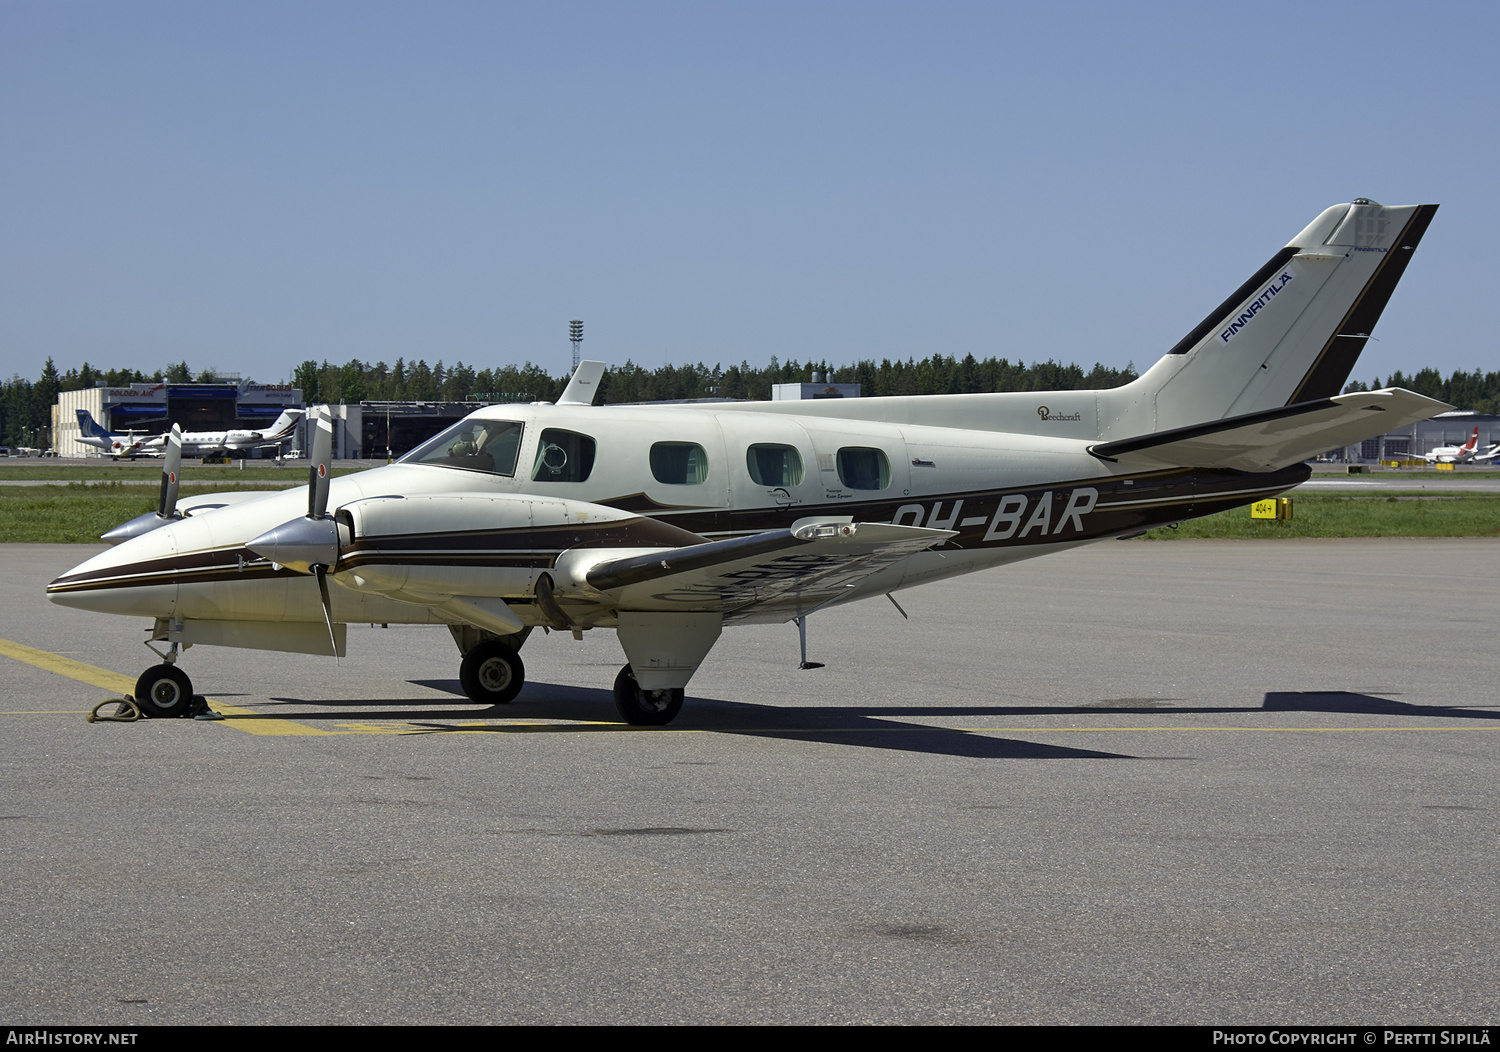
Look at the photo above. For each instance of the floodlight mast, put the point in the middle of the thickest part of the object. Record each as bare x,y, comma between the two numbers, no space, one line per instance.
575,333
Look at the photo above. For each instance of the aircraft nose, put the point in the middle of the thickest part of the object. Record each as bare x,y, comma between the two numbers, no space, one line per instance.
135,577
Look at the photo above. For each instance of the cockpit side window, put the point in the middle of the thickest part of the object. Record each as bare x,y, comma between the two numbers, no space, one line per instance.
490,446
563,456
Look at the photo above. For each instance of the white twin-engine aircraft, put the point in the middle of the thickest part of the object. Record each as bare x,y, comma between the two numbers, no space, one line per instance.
667,523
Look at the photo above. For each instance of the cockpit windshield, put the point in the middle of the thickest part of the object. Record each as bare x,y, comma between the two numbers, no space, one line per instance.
490,446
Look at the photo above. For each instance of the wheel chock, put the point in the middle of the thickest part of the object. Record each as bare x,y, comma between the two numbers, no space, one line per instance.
198,709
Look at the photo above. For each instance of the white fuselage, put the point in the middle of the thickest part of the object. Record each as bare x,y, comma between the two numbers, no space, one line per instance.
1010,496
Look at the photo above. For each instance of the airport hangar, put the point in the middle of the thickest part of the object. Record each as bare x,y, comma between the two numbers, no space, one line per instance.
367,430
377,430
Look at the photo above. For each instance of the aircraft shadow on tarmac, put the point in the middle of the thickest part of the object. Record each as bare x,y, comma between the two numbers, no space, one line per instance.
1365,704
866,727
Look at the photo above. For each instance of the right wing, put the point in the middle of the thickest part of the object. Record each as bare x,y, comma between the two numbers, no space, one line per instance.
766,577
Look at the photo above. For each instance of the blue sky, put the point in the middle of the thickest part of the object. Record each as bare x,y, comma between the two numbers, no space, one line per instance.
248,185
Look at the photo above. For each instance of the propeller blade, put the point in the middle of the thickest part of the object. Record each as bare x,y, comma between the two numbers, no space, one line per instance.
318,475
166,505
321,573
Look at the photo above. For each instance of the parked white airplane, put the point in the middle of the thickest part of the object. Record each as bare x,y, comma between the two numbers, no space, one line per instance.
209,443
194,443
667,523
126,445
1459,454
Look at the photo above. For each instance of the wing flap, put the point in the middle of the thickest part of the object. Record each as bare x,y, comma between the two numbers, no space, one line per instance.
1276,438
789,572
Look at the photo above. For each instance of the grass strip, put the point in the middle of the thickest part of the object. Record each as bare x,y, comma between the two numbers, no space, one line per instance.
1385,514
79,514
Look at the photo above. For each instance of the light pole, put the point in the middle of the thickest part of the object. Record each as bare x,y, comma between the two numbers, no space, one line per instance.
575,333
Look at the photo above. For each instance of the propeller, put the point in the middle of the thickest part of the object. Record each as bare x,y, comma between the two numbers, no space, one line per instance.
322,464
166,501
310,545
166,504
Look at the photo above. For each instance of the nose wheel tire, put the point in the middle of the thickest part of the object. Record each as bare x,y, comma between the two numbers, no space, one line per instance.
645,708
492,673
164,691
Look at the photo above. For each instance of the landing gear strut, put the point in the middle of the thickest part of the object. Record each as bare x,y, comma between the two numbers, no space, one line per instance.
648,708
492,673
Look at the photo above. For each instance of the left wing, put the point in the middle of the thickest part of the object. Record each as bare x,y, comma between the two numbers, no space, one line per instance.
766,577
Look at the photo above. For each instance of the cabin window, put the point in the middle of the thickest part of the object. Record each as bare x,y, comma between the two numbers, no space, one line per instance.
490,446
861,467
563,456
774,465
679,463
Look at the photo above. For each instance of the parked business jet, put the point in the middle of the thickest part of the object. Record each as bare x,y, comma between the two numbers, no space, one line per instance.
209,443
669,523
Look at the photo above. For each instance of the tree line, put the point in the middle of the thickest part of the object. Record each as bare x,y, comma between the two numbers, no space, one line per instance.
26,405
357,381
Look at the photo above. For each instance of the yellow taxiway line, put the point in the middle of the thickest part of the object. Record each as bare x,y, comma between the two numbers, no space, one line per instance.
252,722
247,720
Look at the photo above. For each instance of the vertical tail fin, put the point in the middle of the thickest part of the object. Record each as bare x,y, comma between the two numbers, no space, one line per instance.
284,424
1290,334
90,427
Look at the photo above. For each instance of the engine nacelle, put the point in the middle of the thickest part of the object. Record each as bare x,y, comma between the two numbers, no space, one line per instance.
466,544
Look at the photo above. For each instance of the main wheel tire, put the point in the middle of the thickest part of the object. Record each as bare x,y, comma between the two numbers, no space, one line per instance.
492,673
645,708
164,691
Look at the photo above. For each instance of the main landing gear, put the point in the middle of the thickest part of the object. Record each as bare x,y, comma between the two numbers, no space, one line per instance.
646,708
492,673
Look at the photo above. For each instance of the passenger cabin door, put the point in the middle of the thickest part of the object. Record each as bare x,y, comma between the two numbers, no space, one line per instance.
686,470
861,465
773,470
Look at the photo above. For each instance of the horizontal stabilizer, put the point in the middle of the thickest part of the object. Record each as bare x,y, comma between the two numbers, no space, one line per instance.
1276,438
789,571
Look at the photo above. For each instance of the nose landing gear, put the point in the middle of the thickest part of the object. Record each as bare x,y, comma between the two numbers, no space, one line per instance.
164,691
